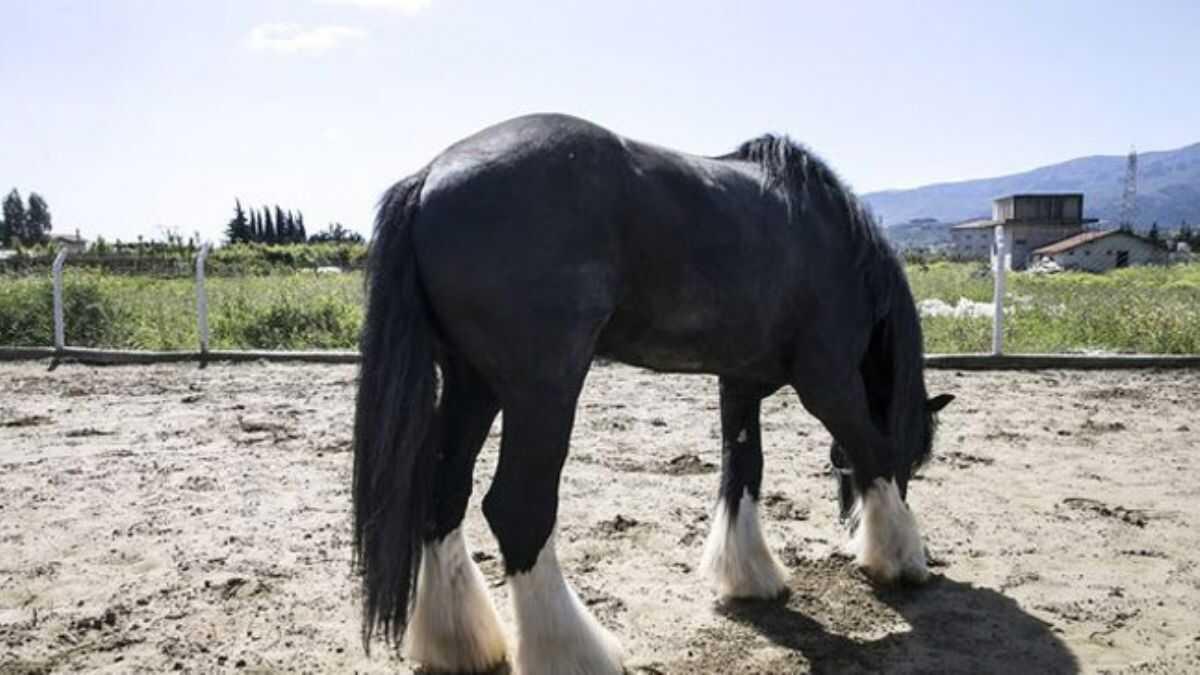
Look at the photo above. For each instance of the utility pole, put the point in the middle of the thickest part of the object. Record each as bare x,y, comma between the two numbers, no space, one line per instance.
1128,219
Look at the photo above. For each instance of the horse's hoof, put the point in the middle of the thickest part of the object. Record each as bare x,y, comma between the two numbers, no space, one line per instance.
737,560
886,545
454,626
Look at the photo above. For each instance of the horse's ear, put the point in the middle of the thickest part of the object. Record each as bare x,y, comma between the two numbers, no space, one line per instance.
938,402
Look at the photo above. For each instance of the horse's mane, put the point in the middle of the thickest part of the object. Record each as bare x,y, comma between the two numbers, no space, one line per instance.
896,359
810,187
802,177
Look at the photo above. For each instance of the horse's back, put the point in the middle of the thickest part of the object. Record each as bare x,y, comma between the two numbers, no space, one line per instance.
518,231
548,224
542,151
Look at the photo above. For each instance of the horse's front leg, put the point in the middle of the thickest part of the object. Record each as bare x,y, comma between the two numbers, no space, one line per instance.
885,540
736,557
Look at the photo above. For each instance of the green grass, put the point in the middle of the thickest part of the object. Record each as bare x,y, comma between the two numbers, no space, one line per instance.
1141,309
1146,309
299,310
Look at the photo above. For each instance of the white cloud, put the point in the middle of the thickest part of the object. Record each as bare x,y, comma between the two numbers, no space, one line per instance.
289,38
406,6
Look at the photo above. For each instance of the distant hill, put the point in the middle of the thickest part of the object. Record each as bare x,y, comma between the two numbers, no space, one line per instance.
1168,190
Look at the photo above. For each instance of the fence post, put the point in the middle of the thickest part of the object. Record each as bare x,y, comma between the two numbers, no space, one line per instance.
202,300
60,331
999,269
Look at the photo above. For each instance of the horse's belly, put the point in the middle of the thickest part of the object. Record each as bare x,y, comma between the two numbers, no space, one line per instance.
687,341
658,355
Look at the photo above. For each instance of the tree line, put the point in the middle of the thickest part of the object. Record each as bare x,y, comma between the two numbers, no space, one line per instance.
265,226
26,226
1184,234
276,226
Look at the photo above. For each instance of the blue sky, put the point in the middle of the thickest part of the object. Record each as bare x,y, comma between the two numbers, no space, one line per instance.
134,115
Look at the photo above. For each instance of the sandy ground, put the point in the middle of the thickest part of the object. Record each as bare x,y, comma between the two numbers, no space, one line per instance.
173,518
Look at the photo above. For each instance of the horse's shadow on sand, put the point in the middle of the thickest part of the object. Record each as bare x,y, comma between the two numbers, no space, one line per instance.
953,627
956,627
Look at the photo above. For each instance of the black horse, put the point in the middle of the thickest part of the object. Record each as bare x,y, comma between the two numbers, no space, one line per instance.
523,252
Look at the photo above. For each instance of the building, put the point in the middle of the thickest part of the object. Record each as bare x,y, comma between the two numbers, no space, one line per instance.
972,240
72,243
1102,251
1030,222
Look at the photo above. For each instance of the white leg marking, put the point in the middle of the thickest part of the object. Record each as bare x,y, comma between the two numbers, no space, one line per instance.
556,633
887,544
737,558
454,625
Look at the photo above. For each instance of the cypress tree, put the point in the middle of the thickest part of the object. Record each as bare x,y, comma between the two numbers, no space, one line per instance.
281,233
238,230
268,226
14,216
37,220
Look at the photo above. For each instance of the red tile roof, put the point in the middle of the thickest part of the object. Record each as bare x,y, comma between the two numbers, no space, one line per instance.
1076,241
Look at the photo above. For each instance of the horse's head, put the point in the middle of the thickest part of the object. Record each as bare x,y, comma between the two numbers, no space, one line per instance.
920,453
932,407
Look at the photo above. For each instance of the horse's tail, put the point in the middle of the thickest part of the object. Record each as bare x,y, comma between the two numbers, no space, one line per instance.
393,423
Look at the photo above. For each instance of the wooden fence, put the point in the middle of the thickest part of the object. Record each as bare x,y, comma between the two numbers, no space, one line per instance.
997,360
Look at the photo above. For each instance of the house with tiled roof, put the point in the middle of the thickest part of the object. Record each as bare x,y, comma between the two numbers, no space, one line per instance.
73,243
1102,250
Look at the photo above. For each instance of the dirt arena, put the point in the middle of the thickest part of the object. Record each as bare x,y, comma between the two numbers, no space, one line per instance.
175,518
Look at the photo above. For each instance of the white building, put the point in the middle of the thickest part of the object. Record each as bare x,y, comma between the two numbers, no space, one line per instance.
72,243
1102,251
1030,221
972,240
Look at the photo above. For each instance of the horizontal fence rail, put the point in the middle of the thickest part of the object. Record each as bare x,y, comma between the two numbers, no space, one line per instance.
935,361
132,356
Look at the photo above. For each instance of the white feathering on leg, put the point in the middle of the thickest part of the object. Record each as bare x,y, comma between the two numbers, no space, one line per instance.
736,556
887,543
454,626
556,633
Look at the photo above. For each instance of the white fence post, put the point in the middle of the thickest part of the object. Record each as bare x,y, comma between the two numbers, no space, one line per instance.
60,331
999,270
202,300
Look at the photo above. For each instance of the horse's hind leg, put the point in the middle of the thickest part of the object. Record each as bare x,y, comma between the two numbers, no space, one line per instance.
736,556
886,542
843,476
454,626
556,634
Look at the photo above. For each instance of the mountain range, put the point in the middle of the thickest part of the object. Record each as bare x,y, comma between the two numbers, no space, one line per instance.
1168,184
